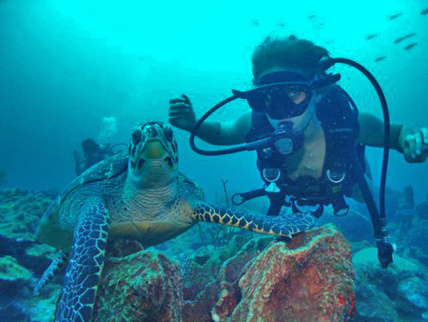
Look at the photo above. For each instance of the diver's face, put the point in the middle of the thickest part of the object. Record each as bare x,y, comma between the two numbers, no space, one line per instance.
299,122
297,96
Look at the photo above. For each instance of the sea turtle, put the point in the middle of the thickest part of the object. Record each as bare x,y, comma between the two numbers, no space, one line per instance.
139,195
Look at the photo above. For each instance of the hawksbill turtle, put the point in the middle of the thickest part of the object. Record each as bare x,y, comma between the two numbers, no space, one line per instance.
139,195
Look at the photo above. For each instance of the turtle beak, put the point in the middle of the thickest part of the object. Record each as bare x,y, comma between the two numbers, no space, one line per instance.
153,150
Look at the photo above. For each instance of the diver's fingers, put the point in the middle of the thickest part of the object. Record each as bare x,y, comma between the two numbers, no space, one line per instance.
178,100
180,112
180,107
424,132
182,99
186,98
410,146
418,143
172,120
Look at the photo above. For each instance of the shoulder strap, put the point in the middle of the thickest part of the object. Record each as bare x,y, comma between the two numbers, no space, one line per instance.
339,119
260,127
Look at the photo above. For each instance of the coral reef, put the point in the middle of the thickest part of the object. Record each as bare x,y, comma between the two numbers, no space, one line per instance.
397,293
242,277
22,260
12,275
145,286
410,230
203,274
20,212
310,278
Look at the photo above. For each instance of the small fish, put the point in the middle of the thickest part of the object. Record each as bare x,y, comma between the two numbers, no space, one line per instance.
371,36
398,40
255,23
410,46
424,12
395,16
379,59
311,16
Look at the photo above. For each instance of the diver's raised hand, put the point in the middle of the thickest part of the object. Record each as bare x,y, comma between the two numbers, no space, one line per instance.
416,146
181,113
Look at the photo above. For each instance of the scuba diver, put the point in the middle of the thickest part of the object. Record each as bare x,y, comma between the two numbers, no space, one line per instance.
308,134
92,154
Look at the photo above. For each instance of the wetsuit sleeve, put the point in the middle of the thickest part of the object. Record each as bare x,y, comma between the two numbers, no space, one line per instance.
372,132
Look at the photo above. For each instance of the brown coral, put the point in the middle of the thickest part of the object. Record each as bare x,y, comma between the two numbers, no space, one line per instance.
310,279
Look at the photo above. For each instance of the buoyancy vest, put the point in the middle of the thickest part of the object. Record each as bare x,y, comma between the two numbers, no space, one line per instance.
338,116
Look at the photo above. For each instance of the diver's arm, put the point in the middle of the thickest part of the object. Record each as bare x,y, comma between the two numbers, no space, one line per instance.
372,132
226,133
234,132
182,115
403,139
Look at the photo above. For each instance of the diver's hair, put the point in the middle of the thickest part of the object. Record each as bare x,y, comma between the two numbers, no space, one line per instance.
290,52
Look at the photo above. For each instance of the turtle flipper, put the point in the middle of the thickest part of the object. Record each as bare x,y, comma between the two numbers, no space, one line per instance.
84,269
54,268
282,225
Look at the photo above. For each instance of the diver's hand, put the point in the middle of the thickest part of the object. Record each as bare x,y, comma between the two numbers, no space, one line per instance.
181,113
416,146
384,253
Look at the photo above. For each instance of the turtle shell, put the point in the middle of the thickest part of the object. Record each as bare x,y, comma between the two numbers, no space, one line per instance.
104,170
49,230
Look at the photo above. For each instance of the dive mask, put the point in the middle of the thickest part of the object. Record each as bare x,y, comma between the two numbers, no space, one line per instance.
275,92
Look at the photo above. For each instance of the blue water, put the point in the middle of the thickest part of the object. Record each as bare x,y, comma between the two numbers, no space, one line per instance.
64,67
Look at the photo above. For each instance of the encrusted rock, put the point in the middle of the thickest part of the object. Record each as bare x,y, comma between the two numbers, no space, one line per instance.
201,290
396,293
414,291
145,286
19,215
12,275
204,267
308,279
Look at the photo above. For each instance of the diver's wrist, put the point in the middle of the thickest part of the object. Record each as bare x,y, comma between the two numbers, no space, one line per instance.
209,132
402,134
189,127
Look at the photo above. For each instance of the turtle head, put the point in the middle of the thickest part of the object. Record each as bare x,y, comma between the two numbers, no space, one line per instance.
153,154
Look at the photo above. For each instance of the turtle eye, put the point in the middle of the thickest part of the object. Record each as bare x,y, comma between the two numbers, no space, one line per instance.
167,131
136,137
